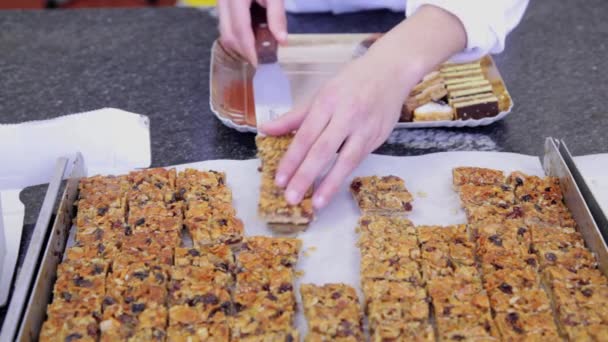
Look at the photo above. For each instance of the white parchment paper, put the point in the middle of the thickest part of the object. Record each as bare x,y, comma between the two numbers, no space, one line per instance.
594,169
329,251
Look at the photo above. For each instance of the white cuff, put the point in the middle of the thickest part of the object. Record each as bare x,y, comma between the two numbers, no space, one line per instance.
486,23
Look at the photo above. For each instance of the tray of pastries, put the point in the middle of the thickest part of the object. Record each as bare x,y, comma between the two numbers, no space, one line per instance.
186,254
455,95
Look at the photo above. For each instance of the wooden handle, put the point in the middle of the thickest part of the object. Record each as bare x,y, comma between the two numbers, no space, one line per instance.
265,43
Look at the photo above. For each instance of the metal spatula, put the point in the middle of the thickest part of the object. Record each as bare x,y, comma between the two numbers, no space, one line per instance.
271,89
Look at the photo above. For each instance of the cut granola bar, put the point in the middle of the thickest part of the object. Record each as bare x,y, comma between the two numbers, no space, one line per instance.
385,195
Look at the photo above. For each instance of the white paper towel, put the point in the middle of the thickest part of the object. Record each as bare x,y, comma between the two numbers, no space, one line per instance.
110,140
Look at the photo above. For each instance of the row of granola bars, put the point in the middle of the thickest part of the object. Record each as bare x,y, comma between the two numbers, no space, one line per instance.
535,265
128,279
519,271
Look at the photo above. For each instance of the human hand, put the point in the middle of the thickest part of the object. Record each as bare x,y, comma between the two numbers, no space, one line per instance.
357,110
236,33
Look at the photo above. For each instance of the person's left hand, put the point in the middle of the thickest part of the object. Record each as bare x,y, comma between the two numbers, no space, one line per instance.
354,112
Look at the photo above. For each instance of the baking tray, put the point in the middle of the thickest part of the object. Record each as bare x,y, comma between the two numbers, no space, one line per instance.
14,315
553,163
309,60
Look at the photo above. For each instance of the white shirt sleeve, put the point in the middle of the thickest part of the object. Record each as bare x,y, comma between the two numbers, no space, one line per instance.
487,23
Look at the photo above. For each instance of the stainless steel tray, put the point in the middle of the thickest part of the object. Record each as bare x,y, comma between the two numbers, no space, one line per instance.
553,162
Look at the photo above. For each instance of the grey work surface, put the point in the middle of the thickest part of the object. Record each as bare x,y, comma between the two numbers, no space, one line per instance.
156,62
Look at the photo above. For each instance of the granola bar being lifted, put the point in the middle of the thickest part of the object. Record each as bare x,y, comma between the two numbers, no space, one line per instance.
272,207
385,195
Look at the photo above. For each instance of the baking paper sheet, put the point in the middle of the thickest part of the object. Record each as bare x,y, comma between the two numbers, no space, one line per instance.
329,253
593,168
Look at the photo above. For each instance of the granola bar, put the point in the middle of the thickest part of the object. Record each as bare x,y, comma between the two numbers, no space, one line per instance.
403,331
99,250
557,215
81,276
203,210
453,297
218,256
216,229
258,314
274,209
516,290
151,185
392,291
476,176
284,250
467,328
332,310
134,322
487,214
199,332
554,253
507,260
72,329
520,326
542,191
385,195
290,335
103,186
391,268
380,227
476,195
271,150
195,185
99,213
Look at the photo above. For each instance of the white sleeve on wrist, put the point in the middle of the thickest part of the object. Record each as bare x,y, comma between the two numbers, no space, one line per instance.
486,23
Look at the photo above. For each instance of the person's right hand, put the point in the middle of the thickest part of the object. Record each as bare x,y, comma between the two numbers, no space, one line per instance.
236,33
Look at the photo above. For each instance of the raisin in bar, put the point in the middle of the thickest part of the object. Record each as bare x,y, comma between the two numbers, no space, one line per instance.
385,195
519,326
332,310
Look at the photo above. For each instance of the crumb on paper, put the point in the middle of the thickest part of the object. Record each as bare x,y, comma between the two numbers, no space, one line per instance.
299,274
309,250
455,211
422,194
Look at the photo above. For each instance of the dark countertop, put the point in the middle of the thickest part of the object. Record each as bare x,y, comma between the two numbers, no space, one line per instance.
156,62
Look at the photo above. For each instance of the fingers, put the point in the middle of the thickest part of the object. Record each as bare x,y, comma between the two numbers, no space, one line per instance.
286,123
277,21
318,157
352,153
241,28
313,124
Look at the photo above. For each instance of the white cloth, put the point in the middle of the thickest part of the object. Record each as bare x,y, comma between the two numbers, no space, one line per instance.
487,23
110,140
